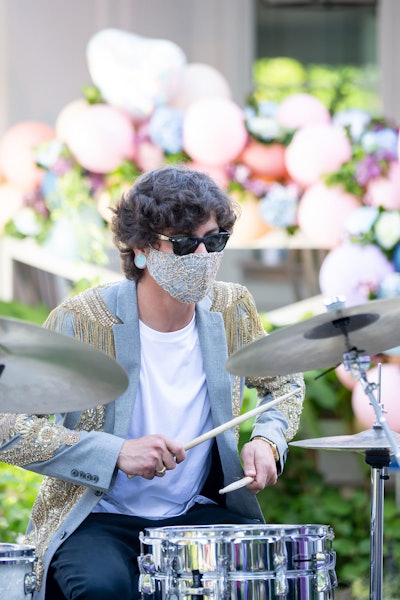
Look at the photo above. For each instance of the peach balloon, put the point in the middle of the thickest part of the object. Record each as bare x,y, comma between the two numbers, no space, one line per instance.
299,110
390,385
385,191
197,81
267,160
250,224
101,137
17,159
11,201
316,150
322,214
67,116
214,132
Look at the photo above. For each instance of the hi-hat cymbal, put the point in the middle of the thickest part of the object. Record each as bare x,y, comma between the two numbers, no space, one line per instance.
371,439
43,372
320,342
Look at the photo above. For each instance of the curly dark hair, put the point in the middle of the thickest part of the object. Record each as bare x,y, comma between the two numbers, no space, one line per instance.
173,200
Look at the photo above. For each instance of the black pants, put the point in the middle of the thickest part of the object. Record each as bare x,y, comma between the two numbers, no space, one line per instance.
99,560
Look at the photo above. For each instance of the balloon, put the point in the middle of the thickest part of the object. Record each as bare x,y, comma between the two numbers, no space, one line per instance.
267,160
299,110
132,72
385,191
390,385
353,271
316,150
11,201
218,174
198,81
396,257
17,160
345,377
250,225
67,116
101,137
322,213
214,132
149,156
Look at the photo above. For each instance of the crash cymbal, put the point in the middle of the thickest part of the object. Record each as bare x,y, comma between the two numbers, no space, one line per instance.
321,341
42,372
371,439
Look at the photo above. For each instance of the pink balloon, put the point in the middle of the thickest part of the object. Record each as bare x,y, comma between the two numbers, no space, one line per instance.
17,159
101,137
353,271
67,116
149,156
299,110
345,377
322,213
11,201
267,160
385,191
316,150
390,385
198,81
218,174
214,132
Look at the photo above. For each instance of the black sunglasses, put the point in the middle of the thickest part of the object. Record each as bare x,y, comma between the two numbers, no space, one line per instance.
186,244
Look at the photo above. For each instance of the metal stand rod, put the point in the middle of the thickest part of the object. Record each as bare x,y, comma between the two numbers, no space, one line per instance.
379,461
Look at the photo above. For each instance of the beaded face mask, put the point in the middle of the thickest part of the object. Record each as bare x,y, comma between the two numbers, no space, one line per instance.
186,278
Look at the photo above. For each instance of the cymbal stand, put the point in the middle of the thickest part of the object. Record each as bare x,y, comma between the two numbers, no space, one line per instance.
379,460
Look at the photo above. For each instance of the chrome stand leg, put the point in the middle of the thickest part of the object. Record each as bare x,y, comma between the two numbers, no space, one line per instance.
379,461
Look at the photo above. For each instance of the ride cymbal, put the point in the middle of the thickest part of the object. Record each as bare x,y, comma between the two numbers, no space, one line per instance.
43,372
321,341
371,439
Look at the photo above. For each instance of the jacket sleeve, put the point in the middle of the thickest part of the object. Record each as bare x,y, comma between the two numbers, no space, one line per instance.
243,326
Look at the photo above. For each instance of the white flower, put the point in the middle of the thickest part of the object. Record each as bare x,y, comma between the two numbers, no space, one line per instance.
26,222
360,221
387,229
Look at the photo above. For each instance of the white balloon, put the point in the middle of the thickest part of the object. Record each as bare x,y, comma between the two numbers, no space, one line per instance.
132,72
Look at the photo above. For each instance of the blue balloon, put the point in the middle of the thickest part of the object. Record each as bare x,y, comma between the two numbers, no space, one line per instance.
396,258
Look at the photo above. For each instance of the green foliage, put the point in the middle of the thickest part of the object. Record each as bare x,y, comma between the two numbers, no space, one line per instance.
338,87
16,310
18,489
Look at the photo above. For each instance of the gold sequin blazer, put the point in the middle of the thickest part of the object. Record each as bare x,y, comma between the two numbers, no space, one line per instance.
77,452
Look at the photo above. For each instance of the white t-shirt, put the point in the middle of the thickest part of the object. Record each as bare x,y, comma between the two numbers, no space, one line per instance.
173,400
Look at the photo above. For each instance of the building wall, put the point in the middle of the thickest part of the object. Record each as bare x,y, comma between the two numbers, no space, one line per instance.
43,45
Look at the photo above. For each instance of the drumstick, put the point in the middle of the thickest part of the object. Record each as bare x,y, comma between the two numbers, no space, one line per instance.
236,485
233,422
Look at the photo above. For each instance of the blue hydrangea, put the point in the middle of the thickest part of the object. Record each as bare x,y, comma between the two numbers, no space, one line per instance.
165,129
279,206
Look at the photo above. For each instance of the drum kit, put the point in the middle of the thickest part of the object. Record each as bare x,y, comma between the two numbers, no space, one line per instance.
45,372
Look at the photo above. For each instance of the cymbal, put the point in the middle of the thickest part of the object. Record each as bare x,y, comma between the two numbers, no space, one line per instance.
43,372
320,342
371,439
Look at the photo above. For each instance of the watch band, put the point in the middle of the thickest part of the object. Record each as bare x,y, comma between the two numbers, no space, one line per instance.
271,444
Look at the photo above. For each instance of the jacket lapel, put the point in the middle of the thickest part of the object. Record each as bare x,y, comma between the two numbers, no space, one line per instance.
127,351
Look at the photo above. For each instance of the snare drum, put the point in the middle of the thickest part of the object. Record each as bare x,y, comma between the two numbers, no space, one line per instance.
17,579
239,562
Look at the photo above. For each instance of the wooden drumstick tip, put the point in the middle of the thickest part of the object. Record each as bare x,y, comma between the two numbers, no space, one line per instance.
236,485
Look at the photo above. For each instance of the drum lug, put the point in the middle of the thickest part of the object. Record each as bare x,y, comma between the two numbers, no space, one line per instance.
30,580
280,564
147,570
324,563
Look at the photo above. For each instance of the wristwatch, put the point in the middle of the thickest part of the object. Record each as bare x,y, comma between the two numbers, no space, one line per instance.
271,444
